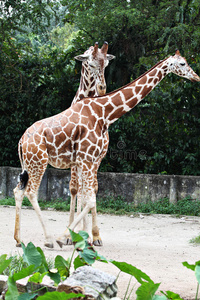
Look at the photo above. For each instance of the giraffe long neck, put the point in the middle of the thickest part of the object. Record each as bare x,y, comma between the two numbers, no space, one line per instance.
87,86
124,99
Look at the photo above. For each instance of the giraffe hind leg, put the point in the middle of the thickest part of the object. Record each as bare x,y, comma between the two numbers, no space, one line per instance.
19,196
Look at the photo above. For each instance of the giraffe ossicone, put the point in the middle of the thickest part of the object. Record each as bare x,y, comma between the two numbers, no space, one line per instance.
75,137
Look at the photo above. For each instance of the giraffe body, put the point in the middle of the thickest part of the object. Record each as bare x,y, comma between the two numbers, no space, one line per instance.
75,137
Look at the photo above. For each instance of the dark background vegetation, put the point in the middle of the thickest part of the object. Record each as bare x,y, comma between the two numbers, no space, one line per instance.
39,76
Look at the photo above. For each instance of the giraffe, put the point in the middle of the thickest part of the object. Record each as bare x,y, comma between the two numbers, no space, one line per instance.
75,137
92,84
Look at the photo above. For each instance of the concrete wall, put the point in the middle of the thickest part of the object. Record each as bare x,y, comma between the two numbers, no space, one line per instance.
133,187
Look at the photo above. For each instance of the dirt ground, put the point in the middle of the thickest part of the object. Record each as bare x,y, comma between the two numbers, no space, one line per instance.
156,244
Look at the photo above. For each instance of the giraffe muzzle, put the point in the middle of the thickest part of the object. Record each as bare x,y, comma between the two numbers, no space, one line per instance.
195,78
101,89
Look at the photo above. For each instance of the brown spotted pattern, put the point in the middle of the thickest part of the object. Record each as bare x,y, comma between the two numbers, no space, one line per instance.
76,137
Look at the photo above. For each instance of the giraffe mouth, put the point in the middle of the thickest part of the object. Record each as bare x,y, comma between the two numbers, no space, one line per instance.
101,89
195,78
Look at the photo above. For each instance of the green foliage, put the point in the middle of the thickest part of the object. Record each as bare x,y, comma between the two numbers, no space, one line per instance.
119,206
36,265
17,264
196,269
195,240
4,263
39,77
59,296
133,271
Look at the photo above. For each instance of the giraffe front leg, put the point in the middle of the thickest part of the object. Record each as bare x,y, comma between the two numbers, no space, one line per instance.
19,195
73,187
64,238
97,241
88,200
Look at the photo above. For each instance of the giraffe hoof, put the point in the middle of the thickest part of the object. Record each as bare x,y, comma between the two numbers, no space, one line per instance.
98,242
64,242
18,245
49,245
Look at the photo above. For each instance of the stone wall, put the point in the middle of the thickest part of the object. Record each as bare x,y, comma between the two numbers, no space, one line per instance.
133,187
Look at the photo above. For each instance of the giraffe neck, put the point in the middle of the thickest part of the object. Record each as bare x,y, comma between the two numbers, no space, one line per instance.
119,102
87,86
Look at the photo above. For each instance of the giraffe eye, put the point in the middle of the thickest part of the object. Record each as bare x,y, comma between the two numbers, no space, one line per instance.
91,65
182,64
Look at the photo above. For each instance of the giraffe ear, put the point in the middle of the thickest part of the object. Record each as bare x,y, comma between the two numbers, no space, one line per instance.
110,56
82,57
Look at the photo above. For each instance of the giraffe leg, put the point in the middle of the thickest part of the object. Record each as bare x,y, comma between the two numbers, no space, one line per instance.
33,199
79,206
89,202
97,241
19,195
73,187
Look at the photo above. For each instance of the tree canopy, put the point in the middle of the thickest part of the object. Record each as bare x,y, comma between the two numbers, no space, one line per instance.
39,76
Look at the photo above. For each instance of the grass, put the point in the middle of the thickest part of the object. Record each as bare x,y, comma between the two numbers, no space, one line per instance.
17,264
118,206
195,240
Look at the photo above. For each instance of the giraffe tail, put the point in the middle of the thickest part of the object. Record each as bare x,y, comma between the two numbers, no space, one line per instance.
23,177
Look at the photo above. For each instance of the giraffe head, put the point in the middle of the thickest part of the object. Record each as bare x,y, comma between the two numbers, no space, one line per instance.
179,66
95,61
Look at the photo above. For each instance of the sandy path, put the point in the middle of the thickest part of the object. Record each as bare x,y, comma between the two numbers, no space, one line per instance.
156,244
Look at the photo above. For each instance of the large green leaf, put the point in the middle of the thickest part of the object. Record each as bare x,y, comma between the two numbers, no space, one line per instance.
4,263
27,296
12,292
77,239
83,234
59,296
197,273
172,295
31,255
62,265
101,258
54,276
147,290
159,297
24,273
78,262
44,265
189,266
88,255
129,269
37,277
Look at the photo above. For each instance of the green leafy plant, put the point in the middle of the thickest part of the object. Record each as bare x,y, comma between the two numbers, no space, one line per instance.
196,268
119,206
36,267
